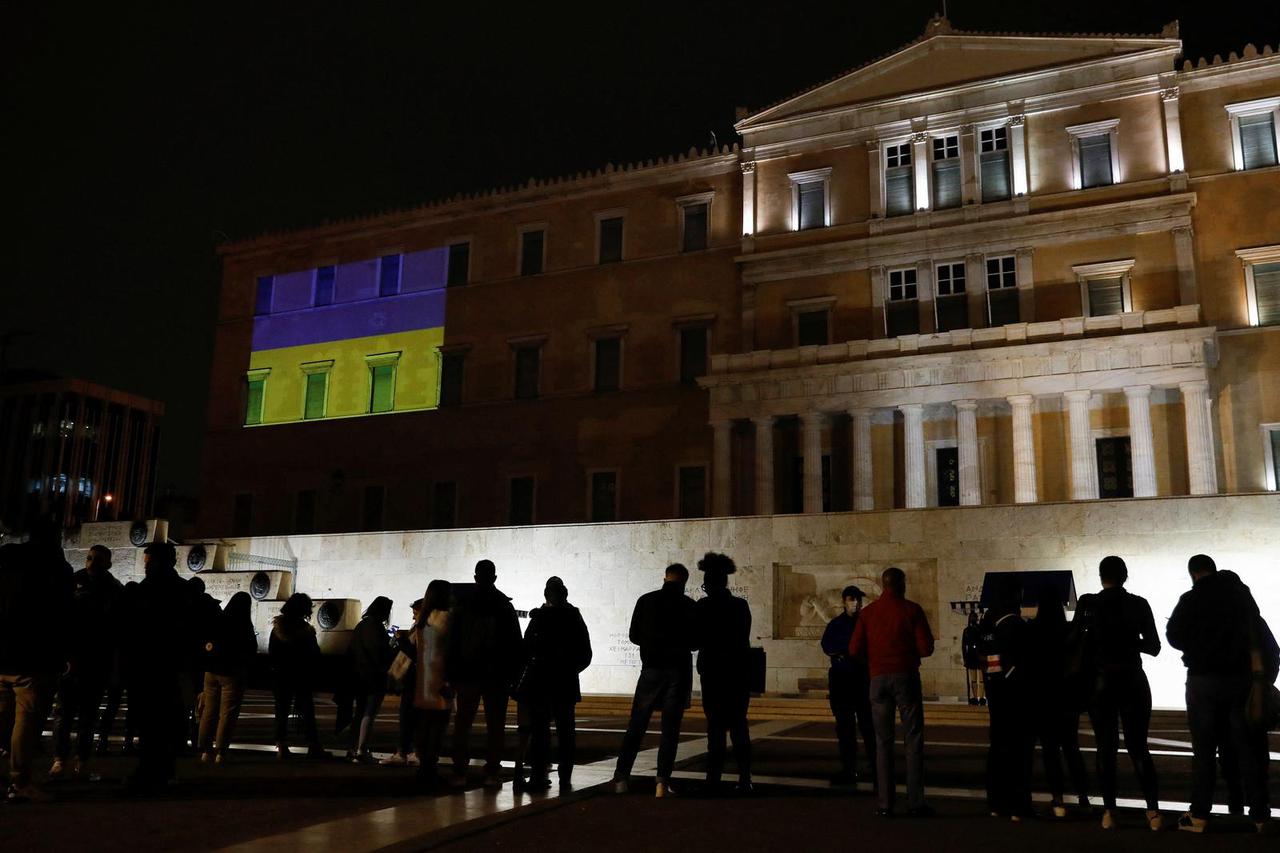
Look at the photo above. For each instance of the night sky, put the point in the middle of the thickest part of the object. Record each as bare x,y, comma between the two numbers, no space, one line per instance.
138,136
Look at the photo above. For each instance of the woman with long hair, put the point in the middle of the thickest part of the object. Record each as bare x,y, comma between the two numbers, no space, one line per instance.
1060,691
227,658
295,657
432,695
370,653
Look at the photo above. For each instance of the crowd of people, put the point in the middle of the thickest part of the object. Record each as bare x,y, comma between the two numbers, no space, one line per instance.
183,661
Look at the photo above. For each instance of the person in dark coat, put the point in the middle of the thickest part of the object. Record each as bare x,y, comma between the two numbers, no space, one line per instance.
848,691
207,613
369,655
557,650
1008,682
485,655
1225,644
94,636
664,625
1060,694
724,644
228,656
404,754
118,683
1121,629
295,657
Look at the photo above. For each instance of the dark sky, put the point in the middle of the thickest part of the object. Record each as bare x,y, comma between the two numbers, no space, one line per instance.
138,135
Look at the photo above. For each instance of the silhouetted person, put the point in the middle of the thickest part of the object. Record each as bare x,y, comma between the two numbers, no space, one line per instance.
1007,677
848,691
892,635
432,695
295,657
1061,685
35,606
484,659
228,656
664,626
1120,628
206,614
94,637
407,716
370,654
162,628
724,646
558,649
1225,644
118,683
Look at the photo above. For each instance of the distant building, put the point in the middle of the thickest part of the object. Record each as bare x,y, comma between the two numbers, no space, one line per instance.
75,449
988,268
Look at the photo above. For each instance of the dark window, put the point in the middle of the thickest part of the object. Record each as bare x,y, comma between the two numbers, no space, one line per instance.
692,492
1095,161
811,328
1258,140
266,287
695,227
693,353
1115,468
444,504
382,387
951,305
531,244
242,516
527,359
451,364
1274,437
898,183
608,364
946,172
459,265
374,500
1002,291
520,508
813,204
902,317
389,275
254,392
1266,292
611,240
604,496
948,476
1106,296
325,278
304,512
994,163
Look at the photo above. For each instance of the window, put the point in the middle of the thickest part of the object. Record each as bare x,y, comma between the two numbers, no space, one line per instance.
316,390
325,278
691,491
1115,467
459,265
382,386
610,239
951,305
1095,161
993,163
1104,288
1271,454
532,245
451,364
608,364
694,220
266,288
372,510
898,182
444,504
1002,291
1106,296
304,511
947,460
900,314
809,202
946,172
255,391
1253,133
527,361
389,275
604,496
521,498
693,353
1262,284
811,328
242,515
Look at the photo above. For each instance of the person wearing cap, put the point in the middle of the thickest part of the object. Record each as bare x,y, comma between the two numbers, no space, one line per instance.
848,686
724,642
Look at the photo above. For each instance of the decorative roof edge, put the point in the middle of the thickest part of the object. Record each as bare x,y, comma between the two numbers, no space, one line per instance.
1249,53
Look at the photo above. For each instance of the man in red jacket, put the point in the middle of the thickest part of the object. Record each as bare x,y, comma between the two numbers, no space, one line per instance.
892,636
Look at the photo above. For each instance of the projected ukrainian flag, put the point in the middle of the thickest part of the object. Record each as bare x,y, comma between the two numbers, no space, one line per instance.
346,340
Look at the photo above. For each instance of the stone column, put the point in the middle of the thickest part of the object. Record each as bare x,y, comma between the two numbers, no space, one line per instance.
748,198
913,452
1018,154
975,288
1084,459
863,475
811,423
764,464
924,297
967,450
879,294
1184,250
1201,463
1141,450
970,191
876,178
1026,285
920,170
1172,128
722,482
1024,451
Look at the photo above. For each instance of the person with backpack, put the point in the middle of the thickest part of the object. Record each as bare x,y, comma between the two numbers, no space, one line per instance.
295,659
1121,629
228,656
1008,681
369,656
1226,647
1060,689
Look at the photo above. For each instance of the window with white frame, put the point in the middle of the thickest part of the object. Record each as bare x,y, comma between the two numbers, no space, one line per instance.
1104,287
1262,284
810,205
898,181
950,305
1002,291
315,395
946,172
1253,133
1271,455
1095,159
901,316
993,163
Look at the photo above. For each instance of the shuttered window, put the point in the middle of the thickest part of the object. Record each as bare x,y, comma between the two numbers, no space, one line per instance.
951,306
608,364
527,362
993,162
1002,291
811,328
1266,289
1095,161
389,275
897,180
325,277
1258,140
611,240
1106,296
317,386
695,227
382,387
451,364
693,353
262,300
946,172
531,244
459,265
813,204
254,393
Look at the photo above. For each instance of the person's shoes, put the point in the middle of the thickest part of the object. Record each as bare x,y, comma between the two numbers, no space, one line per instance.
1188,823
884,812
395,759
57,770
921,811
25,794
1155,820
621,786
537,785
412,760
219,757
744,788
205,757
1058,810
1265,826
282,752
1108,819
565,786
663,790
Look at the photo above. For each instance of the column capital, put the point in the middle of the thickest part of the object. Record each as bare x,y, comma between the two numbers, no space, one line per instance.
1024,251
1133,392
1169,94
873,145
859,412
748,167
1078,395
1196,386
1016,120
812,416
911,407
721,423
1020,401
1182,231
965,405
763,420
